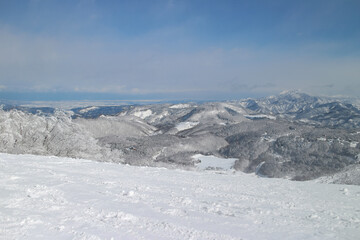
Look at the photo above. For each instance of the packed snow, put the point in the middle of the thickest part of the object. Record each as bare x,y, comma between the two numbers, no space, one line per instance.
179,106
212,162
185,125
350,175
260,116
353,144
85,110
62,198
143,114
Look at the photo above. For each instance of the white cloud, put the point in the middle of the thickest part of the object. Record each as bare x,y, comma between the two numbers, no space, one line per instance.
37,63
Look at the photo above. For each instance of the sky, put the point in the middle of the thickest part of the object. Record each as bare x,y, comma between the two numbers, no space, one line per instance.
178,49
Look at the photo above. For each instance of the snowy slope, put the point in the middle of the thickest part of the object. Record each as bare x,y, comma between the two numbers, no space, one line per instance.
165,135
319,111
62,198
350,175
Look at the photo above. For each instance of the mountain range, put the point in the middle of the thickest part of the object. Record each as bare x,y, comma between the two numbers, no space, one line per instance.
292,135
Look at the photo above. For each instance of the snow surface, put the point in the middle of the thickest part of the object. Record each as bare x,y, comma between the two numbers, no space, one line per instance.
353,144
350,175
85,110
179,106
143,114
260,116
159,116
185,125
212,162
62,198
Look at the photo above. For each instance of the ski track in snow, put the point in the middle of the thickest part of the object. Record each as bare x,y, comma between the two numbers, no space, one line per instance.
61,198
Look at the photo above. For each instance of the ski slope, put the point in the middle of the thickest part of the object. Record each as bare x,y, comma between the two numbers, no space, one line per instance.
62,198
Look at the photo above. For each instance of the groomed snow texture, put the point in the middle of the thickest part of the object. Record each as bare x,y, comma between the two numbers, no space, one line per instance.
63,198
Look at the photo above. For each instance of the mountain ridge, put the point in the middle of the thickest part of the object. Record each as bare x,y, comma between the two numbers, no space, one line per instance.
292,135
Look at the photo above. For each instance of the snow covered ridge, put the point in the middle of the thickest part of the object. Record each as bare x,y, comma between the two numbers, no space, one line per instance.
85,110
319,111
49,135
185,125
260,116
143,114
62,198
275,137
180,105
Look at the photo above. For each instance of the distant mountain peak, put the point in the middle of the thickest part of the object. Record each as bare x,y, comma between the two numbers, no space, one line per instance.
290,92
294,94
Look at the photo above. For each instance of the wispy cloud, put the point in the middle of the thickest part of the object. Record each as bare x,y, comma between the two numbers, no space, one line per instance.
177,47
31,63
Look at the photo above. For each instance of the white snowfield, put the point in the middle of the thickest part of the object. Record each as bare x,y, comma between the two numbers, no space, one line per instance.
180,105
212,162
185,125
143,114
62,198
260,116
88,109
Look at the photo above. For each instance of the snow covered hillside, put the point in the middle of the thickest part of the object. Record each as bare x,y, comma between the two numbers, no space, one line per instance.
293,135
62,198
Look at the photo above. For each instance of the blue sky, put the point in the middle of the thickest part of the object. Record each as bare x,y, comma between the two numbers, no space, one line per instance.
176,49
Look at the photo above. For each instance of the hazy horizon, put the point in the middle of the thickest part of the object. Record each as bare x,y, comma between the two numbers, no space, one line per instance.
177,50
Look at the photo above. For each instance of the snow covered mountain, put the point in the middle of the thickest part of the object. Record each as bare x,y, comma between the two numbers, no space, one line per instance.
319,111
62,198
292,135
234,149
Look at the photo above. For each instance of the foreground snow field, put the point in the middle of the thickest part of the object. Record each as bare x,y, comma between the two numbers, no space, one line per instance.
62,198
